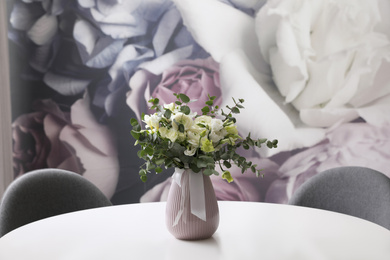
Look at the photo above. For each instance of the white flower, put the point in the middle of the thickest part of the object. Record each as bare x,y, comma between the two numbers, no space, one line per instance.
153,121
215,137
325,57
183,119
204,120
191,150
217,130
216,124
193,136
171,133
173,107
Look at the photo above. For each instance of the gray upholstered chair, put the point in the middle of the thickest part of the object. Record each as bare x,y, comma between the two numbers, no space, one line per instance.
44,193
356,191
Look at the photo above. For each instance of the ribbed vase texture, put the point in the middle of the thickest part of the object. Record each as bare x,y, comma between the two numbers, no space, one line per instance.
189,226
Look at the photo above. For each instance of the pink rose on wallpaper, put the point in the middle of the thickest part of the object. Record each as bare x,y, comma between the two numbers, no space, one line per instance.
353,144
51,138
195,78
245,187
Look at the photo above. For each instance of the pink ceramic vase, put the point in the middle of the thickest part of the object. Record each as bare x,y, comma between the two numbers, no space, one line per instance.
180,220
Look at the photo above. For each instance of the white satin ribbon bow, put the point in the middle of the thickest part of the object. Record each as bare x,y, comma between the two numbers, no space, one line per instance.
197,196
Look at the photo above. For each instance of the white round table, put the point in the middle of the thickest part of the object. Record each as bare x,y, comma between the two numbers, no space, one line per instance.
247,230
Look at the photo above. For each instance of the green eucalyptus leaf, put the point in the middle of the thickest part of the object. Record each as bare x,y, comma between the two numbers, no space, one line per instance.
205,110
235,110
141,137
181,128
159,161
135,134
142,172
141,154
207,159
225,156
150,166
194,168
167,113
144,178
149,150
134,122
200,163
185,110
184,98
168,162
227,164
208,172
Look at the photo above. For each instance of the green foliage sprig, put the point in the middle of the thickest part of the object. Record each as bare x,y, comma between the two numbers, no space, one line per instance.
176,137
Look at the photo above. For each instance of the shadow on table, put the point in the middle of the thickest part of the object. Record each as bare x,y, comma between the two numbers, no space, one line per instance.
193,249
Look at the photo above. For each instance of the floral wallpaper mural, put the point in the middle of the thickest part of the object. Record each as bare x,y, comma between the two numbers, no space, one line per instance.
314,75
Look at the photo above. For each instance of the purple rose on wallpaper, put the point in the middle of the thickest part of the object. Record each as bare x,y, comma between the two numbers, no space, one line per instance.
195,78
51,138
245,187
352,144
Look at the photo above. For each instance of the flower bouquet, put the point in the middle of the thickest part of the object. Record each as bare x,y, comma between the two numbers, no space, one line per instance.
195,145
177,137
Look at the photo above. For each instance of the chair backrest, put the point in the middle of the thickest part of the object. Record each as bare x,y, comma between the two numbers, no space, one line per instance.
44,193
356,191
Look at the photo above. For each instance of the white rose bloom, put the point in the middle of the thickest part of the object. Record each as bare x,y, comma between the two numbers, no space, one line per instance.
329,59
215,137
216,124
171,133
205,120
193,137
181,118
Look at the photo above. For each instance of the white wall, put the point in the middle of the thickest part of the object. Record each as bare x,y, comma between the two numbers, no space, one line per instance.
5,105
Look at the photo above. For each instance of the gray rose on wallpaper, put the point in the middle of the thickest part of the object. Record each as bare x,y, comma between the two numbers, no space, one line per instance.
42,32
73,45
140,34
72,141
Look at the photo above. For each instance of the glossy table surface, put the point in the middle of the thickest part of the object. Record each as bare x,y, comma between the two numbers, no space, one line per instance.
247,230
